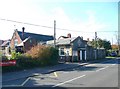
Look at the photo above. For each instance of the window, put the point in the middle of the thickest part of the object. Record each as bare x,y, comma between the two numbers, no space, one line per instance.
16,42
62,51
30,41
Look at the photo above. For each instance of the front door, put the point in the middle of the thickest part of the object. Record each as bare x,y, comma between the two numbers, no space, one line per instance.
78,55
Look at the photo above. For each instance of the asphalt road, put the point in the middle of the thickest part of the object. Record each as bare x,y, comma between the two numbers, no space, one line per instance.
102,74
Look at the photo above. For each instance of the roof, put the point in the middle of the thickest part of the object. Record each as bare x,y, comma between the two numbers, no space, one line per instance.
22,43
62,37
65,41
38,37
5,43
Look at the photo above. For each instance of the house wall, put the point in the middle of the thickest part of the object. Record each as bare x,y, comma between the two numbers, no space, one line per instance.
15,36
101,53
67,53
78,48
90,53
73,49
29,43
80,51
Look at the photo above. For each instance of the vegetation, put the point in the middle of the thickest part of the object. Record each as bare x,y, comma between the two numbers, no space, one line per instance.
38,56
101,44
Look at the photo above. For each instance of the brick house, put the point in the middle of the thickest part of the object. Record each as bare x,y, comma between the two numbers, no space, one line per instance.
23,41
76,49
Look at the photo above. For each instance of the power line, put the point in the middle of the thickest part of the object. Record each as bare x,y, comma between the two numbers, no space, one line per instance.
25,23
49,26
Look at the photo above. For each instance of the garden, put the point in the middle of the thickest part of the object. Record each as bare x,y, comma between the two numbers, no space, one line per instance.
38,56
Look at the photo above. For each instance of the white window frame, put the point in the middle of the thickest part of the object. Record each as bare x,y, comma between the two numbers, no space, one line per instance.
60,50
15,42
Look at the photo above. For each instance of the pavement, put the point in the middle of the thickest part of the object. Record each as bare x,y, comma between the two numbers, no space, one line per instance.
31,72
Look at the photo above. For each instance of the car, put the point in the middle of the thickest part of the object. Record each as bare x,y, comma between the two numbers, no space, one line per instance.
113,54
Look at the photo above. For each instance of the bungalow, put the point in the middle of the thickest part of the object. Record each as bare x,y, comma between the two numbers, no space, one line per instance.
75,49
23,41
70,49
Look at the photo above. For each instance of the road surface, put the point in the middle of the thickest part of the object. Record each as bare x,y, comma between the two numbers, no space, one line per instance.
102,74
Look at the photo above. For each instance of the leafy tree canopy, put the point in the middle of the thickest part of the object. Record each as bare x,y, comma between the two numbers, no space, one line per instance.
99,43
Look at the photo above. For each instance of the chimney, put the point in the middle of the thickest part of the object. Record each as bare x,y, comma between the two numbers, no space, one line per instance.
23,30
82,37
69,35
88,39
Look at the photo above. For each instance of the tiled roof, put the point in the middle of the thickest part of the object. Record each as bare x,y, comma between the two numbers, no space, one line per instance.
65,41
38,37
5,43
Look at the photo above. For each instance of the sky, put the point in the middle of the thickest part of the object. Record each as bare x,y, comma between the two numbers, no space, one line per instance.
78,17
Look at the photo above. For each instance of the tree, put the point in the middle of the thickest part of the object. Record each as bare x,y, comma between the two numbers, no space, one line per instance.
99,43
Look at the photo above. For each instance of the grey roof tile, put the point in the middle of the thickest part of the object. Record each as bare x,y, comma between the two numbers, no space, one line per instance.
38,37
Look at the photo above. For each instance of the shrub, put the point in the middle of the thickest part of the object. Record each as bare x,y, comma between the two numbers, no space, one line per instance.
15,55
45,54
38,56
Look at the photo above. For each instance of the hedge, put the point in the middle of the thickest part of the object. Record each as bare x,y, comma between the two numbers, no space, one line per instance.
38,56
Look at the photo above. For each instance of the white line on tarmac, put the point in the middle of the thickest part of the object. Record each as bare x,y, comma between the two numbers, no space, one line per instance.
90,65
68,81
113,64
11,85
102,68
17,85
25,81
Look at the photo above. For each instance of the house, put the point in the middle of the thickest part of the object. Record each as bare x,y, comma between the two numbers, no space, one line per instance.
1,42
23,41
70,48
5,47
75,49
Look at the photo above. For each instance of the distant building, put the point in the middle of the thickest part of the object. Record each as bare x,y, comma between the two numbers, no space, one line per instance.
23,41
1,42
5,47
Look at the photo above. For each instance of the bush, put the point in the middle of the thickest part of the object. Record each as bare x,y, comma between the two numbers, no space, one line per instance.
46,55
15,55
38,56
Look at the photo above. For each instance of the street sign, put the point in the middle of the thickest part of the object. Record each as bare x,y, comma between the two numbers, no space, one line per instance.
8,63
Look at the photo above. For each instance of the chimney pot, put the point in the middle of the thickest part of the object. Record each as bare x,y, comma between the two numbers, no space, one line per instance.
23,30
69,35
82,37
88,39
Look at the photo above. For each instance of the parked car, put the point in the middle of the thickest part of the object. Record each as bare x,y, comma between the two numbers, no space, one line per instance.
113,54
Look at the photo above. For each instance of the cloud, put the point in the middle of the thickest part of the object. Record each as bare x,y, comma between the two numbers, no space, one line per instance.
25,11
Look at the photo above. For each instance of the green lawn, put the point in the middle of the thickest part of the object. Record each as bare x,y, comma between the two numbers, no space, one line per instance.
110,57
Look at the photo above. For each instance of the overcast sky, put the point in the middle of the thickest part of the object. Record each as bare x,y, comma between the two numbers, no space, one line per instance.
78,17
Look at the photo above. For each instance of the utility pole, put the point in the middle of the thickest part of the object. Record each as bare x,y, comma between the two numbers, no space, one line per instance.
95,39
118,43
95,45
54,33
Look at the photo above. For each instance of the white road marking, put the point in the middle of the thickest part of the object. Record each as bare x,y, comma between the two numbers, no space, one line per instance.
11,85
90,65
113,64
17,85
69,81
25,81
102,68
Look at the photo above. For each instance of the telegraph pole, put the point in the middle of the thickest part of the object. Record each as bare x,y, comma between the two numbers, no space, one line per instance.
95,45
95,39
54,33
